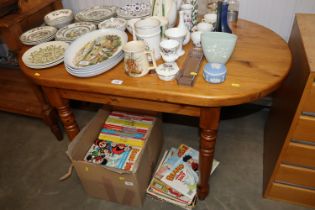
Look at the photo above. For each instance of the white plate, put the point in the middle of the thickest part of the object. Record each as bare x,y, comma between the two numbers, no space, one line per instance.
93,68
97,72
75,30
38,34
45,53
96,13
134,10
79,43
46,66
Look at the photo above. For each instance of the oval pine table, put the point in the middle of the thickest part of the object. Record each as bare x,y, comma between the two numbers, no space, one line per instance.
260,62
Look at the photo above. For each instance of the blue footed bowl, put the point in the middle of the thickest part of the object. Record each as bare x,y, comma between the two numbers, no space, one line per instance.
218,46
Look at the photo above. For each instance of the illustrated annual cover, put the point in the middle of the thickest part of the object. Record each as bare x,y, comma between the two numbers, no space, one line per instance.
184,174
111,154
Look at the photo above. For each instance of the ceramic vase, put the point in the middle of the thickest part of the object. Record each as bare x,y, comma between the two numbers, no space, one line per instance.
182,26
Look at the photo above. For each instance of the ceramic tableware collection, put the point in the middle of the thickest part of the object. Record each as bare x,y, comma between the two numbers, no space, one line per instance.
98,41
95,52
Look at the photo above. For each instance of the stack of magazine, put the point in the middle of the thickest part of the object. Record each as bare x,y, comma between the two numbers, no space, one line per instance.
176,178
120,141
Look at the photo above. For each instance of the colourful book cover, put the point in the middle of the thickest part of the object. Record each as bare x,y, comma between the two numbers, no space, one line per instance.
133,117
108,154
123,133
132,158
125,122
184,174
121,140
160,187
125,129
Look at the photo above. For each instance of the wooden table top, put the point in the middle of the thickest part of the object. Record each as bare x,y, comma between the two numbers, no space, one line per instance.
260,62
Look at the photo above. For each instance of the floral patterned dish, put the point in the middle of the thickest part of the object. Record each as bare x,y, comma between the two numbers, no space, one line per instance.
38,35
95,49
71,32
44,54
134,10
96,13
57,16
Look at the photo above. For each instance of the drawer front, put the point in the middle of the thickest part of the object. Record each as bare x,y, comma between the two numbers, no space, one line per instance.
300,154
305,129
296,175
292,194
309,105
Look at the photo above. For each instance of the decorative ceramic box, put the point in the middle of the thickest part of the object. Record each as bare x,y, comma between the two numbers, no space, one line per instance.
214,72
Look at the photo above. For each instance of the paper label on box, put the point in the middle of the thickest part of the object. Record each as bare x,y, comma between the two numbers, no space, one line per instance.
128,183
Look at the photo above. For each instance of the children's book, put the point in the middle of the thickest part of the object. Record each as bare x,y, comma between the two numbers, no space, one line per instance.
184,174
110,154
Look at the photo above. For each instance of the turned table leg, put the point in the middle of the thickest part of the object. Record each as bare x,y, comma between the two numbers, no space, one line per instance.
64,111
49,115
209,123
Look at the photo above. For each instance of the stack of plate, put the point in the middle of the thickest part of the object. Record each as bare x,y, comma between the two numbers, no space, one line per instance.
38,35
134,10
73,31
95,52
96,14
59,18
45,55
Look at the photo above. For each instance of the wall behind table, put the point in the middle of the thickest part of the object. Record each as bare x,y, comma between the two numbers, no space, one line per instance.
278,15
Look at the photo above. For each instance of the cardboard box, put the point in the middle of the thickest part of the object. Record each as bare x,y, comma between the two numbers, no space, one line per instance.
109,183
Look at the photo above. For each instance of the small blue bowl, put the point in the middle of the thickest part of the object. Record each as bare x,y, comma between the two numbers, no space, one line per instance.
214,72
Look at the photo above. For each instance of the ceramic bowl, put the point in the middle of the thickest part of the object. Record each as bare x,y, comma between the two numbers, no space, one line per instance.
117,23
59,18
218,46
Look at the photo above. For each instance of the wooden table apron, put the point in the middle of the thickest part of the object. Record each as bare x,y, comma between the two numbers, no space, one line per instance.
260,62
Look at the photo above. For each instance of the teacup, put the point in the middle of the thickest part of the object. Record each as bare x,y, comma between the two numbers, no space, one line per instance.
210,18
179,35
169,50
203,27
137,59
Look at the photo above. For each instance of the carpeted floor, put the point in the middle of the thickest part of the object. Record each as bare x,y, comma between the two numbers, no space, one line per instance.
32,160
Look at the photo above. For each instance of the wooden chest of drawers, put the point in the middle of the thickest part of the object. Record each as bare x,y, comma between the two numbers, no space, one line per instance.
289,142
